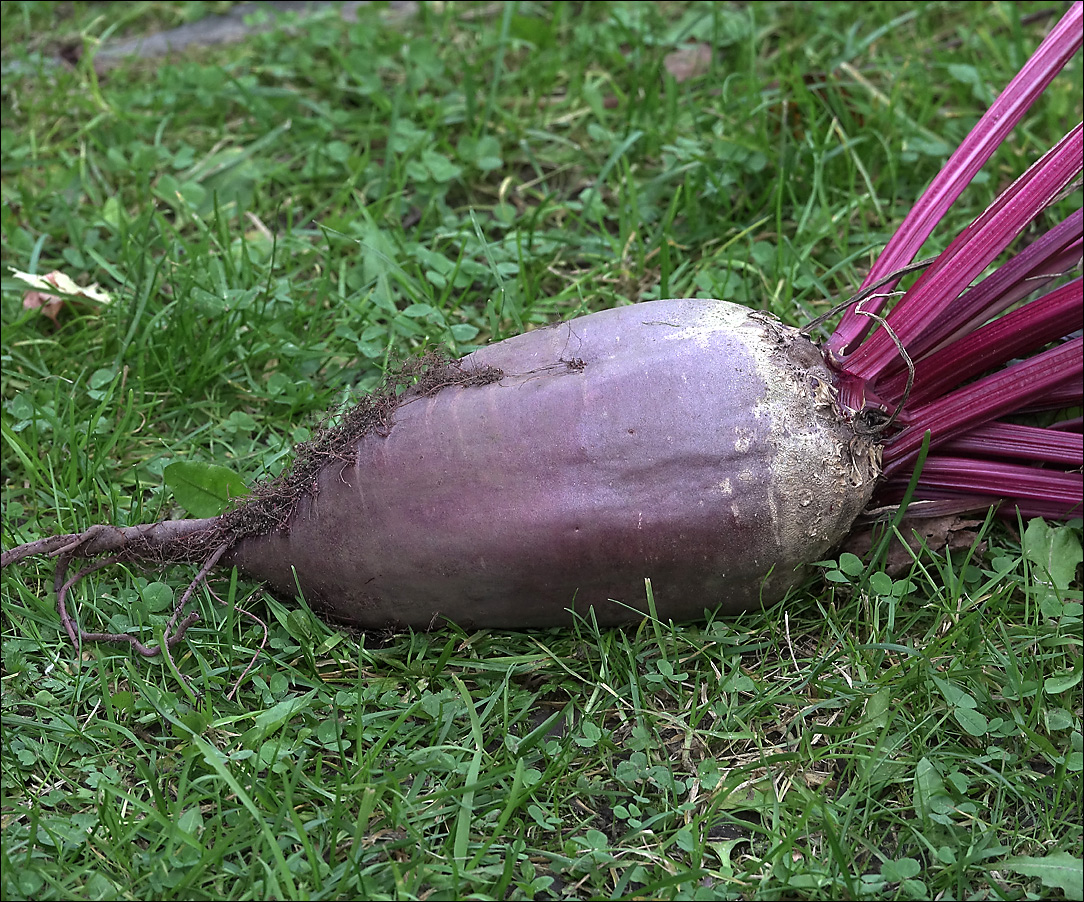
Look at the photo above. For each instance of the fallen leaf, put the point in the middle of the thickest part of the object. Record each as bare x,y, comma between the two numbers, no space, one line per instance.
49,304
688,61
936,533
53,290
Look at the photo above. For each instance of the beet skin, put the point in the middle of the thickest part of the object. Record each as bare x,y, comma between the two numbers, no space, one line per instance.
692,442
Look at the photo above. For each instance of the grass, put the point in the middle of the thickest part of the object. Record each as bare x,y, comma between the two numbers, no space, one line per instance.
274,222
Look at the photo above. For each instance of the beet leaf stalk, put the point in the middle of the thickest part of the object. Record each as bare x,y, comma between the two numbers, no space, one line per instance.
696,442
991,130
943,333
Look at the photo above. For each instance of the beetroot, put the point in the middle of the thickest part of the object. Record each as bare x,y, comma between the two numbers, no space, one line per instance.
693,442
690,441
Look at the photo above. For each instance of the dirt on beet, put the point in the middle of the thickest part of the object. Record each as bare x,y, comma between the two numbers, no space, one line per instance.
272,501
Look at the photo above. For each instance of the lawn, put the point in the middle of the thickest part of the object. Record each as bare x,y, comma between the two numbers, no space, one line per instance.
272,224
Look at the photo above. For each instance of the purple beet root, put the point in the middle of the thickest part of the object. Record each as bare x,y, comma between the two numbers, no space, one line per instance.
691,442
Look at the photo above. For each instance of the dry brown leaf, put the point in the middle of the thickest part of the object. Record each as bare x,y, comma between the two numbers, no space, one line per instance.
688,61
936,533
50,303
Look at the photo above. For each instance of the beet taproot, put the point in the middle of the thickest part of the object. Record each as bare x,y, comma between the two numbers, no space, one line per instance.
693,442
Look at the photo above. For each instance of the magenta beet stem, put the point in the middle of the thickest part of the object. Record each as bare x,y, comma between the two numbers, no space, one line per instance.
1055,51
1025,443
975,248
1032,326
1044,260
987,399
